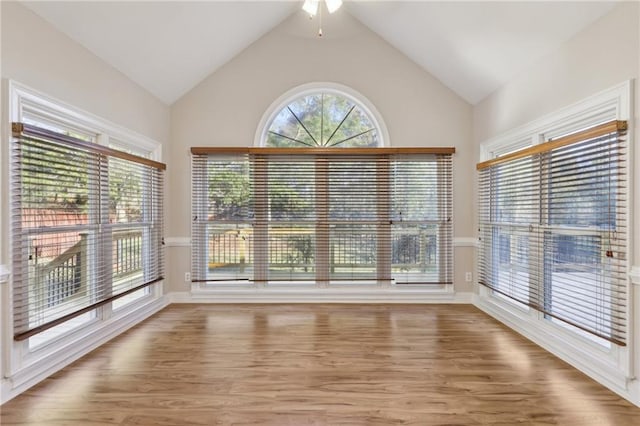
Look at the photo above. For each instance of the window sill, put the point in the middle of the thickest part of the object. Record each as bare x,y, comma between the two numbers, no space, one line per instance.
312,294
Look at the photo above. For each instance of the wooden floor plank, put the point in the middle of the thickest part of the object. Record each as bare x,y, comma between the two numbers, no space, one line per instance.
319,365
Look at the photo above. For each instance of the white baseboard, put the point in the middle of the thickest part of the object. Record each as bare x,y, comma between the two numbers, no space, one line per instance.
43,368
318,295
598,366
177,241
465,242
5,391
635,275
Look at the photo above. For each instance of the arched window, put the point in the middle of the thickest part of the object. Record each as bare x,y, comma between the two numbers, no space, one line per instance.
322,115
334,205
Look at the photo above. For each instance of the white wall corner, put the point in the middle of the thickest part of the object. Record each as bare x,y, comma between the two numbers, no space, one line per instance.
179,297
44,367
5,390
4,274
591,362
177,242
465,242
634,274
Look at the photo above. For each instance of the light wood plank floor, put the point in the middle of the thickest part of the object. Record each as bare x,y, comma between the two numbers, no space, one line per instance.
319,365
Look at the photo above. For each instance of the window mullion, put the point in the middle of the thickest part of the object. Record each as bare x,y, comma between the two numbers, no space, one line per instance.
537,234
323,249
104,248
383,187
199,225
445,215
261,223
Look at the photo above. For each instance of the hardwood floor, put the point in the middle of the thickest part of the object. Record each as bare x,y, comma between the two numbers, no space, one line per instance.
319,365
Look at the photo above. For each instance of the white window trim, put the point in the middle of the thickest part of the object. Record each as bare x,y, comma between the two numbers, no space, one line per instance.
204,164
327,87
562,121
23,98
23,367
613,366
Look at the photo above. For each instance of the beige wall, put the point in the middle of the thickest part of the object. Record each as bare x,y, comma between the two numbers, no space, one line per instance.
226,107
41,57
603,55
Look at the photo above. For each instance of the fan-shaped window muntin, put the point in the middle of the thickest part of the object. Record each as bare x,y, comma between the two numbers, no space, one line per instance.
323,119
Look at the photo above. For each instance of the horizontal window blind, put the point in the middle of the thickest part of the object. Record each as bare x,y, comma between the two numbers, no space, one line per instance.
337,215
87,225
553,227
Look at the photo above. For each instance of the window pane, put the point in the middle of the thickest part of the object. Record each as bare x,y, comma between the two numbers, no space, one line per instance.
580,181
577,283
292,252
353,192
287,131
125,191
59,273
415,255
353,252
56,236
416,195
134,234
230,195
44,121
511,257
291,190
322,119
347,125
230,251
129,247
516,196
421,217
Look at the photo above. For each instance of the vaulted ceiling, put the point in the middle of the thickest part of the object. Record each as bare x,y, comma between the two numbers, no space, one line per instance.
169,47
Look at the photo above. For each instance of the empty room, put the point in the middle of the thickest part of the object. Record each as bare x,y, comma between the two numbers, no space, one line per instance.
320,212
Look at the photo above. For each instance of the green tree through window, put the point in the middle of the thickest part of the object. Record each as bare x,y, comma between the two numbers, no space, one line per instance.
322,120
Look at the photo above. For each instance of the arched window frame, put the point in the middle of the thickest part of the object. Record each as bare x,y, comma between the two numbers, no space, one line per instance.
321,87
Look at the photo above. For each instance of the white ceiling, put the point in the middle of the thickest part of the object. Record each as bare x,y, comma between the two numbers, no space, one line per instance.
169,47
165,47
476,47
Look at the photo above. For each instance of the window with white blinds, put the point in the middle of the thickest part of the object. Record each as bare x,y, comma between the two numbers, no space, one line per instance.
322,215
553,229
87,226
